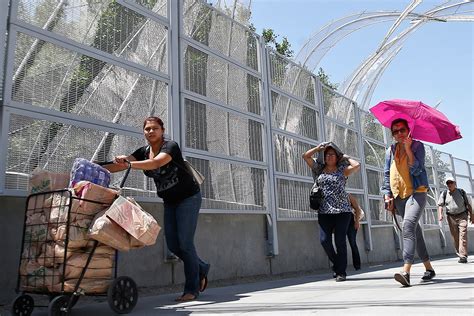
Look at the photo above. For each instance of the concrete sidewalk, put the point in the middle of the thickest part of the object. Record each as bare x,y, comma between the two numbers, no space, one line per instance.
370,292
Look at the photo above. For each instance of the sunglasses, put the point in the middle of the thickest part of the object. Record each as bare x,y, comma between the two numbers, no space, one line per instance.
401,130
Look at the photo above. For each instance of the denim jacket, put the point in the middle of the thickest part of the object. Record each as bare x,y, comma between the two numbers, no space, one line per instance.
418,173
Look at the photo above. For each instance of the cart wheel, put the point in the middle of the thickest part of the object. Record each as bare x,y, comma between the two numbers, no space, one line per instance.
74,300
23,305
58,306
122,295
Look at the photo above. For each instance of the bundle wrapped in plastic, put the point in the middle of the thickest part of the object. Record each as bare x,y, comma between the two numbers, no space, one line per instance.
83,169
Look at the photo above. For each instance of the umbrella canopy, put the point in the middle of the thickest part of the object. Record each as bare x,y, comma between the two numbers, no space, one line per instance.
426,123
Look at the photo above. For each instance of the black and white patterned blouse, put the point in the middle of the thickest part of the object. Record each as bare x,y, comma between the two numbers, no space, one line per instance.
333,184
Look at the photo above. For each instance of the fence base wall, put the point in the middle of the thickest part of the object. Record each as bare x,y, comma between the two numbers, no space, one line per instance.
235,246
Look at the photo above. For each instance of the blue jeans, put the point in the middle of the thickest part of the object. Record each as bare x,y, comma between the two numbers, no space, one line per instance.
352,238
180,225
411,209
337,223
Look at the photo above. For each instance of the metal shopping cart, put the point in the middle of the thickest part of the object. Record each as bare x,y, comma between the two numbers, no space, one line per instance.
58,260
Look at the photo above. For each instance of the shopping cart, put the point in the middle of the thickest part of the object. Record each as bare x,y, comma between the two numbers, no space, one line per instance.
54,245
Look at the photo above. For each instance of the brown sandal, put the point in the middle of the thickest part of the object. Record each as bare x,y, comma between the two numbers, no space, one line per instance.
188,297
203,283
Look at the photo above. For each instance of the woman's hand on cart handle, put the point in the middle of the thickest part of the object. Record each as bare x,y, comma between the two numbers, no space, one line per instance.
122,161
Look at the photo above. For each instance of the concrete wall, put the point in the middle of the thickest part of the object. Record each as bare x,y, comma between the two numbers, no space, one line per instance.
234,245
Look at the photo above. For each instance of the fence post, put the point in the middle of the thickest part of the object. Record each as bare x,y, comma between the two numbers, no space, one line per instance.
366,229
272,230
174,61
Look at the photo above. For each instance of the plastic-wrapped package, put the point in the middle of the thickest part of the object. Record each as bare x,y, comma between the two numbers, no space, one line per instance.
83,169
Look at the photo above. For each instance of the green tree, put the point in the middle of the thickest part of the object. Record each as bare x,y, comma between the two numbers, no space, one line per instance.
271,38
324,78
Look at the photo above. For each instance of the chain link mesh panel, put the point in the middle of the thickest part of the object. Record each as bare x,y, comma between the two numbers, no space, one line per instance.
217,131
461,167
464,183
209,27
374,154
230,186
65,81
288,153
374,181
379,215
428,155
291,78
293,200
294,117
371,127
53,146
104,25
214,78
430,173
338,107
159,7
346,139
442,161
354,181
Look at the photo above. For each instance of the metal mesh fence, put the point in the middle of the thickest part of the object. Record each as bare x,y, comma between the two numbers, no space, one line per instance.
230,186
290,204
288,155
219,32
53,146
338,107
217,131
104,25
159,7
221,81
66,81
294,117
77,63
291,78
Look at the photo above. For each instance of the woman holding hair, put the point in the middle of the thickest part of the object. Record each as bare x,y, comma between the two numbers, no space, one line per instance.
335,212
405,188
162,160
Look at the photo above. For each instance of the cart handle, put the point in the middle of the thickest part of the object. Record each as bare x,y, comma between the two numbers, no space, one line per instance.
122,183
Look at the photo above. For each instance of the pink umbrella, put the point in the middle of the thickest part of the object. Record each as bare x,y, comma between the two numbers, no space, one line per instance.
426,123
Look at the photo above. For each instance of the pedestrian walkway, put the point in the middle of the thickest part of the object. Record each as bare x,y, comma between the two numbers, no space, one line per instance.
370,292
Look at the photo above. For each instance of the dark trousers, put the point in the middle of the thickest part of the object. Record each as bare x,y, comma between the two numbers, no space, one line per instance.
180,225
352,238
337,223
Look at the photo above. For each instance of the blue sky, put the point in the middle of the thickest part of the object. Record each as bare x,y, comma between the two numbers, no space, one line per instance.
436,62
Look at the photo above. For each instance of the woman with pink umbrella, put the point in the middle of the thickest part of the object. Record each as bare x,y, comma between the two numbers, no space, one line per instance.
405,189
405,180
